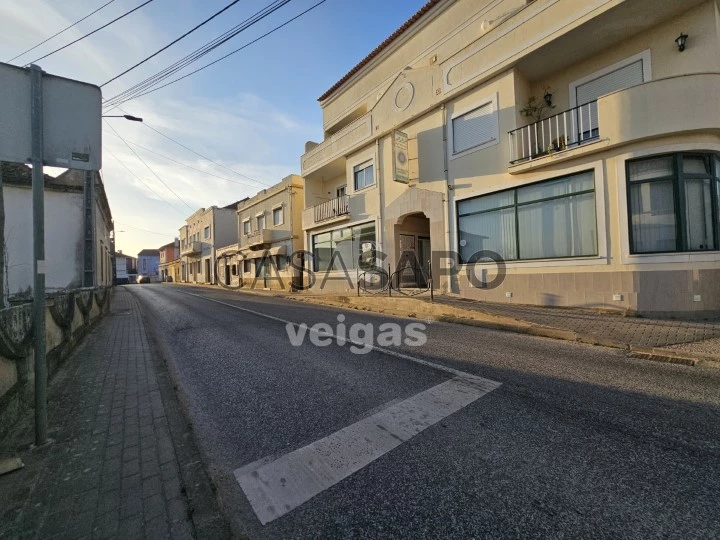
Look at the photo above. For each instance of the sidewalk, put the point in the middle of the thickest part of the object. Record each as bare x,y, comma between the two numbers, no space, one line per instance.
122,463
667,338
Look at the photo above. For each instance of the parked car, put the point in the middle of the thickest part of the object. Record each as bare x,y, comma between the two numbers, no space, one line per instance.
143,279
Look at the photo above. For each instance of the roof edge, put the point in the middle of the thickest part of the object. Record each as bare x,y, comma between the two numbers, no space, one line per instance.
380,48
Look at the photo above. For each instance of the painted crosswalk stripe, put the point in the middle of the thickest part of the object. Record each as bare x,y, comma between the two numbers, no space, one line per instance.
277,487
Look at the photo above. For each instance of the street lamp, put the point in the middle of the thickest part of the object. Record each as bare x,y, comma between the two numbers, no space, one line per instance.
125,116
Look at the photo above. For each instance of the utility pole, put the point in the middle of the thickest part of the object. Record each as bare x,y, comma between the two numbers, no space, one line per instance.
3,277
38,196
89,230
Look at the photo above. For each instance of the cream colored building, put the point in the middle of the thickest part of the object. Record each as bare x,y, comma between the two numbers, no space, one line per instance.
610,200
269,231
203,232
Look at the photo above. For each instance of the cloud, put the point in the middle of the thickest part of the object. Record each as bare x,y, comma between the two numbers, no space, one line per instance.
240,130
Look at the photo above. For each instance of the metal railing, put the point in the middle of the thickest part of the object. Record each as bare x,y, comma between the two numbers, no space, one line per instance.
564,130
332,208
406,280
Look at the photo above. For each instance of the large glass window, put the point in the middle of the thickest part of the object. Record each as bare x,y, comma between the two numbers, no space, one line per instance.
356,246
546,220
673,203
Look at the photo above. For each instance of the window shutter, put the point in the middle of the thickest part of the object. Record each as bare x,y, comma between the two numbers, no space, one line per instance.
474,128
624,77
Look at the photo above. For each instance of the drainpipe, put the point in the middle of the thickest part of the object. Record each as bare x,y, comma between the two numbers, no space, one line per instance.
446,196
381,195
290,208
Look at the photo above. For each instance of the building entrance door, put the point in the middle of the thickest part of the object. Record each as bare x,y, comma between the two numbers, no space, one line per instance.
408,261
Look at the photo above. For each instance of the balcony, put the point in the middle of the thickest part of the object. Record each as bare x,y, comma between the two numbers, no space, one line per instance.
258,238
338,145
192,248
332,209
574,127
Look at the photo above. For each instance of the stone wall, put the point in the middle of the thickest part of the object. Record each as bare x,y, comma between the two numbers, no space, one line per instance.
69,315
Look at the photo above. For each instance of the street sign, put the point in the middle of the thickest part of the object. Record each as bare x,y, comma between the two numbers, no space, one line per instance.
72,120
400,157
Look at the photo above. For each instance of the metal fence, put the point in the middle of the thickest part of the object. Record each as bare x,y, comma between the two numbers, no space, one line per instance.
573,127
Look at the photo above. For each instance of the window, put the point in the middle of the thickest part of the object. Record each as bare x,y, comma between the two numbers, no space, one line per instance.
629,72
475,128
281,261
363,175
246,227
278,215
673,203
207,232
246,266
260,222
340,192
547,220
355,245
234,269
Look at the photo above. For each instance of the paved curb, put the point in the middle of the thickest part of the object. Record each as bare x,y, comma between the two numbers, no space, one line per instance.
651,353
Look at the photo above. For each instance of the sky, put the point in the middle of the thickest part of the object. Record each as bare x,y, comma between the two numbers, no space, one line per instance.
251,113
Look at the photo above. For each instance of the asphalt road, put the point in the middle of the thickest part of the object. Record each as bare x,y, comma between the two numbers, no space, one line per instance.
576,442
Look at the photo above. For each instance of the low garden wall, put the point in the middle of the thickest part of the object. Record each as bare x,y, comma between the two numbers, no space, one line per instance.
69,315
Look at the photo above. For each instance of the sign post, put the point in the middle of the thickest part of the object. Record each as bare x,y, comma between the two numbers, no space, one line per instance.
38,198
53,121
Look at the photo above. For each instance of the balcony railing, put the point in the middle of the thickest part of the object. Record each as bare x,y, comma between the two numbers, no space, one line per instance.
559,132
191,248
259,237
333,208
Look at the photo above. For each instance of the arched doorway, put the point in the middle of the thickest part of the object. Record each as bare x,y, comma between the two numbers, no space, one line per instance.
412,246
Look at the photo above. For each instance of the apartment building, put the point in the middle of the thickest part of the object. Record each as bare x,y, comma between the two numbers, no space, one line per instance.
203,232
169,267
269,229
575,142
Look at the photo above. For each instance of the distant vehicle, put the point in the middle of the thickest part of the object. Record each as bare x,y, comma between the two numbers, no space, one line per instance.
143,279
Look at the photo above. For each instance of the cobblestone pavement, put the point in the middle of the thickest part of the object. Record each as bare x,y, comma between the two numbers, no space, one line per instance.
115,468
635,331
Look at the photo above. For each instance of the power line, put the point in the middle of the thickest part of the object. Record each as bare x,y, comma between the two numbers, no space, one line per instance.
198,53
61,31
266,184
206,173
143,182
168,137
231,4
143,230
151,90
93,32
150,168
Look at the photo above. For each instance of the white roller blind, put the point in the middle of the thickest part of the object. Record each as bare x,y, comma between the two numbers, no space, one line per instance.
474,128
624,77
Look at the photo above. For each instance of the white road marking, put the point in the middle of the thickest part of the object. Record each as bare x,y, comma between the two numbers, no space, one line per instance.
275,488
